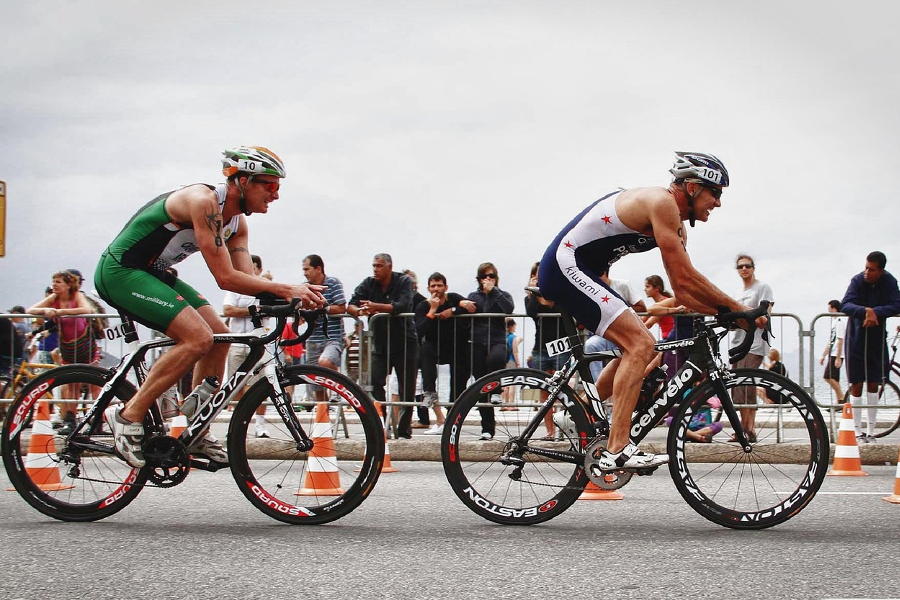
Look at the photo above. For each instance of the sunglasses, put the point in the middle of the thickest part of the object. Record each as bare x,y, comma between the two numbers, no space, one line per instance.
489,276
739,267
715,191
270,186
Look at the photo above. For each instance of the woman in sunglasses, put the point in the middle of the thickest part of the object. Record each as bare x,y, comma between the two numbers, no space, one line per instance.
488,334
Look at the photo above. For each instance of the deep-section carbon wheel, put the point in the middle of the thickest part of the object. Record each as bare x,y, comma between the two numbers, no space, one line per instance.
534,490
763,487
324,484
886,415
60,479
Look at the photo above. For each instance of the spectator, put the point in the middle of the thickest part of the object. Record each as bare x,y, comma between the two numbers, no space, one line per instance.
442,340
11,346
76,344
488,335
833,353
23,330
774,364
236,308
871,298
513,342
325,346
546,329
752,293
394,338
422,420
655,289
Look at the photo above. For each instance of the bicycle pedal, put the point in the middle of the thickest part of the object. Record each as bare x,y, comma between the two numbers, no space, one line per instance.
643,470
207,465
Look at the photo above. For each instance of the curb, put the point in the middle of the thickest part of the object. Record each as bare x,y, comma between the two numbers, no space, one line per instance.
430,450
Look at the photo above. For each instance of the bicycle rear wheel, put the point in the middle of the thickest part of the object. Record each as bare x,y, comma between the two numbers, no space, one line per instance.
886,415
315,487
545,487
763,487
58,478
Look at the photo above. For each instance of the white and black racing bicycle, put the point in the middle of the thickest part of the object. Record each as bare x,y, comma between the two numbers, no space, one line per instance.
518,479
80,477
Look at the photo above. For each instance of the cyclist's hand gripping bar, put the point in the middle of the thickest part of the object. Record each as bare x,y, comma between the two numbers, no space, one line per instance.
731,321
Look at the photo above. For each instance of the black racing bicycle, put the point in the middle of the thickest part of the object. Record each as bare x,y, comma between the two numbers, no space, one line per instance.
297,475
518,479
887,409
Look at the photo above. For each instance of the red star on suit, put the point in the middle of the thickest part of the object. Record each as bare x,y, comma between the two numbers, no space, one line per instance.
568,245
607,220
605,298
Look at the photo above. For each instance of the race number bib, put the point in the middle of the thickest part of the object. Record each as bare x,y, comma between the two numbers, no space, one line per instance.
558,346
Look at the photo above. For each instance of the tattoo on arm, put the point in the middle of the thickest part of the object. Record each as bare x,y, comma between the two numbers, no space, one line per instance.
681,237
214,222
238,249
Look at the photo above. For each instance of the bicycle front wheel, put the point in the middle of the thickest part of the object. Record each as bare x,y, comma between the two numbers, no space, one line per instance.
543,487
57,477
769,484
885,416
324,484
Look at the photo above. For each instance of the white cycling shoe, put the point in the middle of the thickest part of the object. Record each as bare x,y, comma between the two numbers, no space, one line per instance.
129,437
209,447
629,458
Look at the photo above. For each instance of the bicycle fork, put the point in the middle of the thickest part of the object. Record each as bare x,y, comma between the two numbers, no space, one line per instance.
286,410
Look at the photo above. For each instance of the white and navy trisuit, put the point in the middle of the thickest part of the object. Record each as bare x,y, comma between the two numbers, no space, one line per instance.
570,268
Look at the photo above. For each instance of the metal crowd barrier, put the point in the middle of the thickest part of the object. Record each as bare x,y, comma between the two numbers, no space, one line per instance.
801,360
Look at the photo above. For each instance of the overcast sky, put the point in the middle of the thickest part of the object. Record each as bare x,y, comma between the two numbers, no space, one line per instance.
451,133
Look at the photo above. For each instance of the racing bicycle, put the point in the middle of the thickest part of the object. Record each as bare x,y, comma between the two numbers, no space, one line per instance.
887,411
520,480
80,477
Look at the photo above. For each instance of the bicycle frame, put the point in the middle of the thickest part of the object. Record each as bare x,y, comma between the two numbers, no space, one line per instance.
643,421
133,361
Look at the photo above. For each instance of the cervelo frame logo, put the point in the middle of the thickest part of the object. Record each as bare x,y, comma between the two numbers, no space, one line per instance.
336,387
282,507
121,491
17,422
681,379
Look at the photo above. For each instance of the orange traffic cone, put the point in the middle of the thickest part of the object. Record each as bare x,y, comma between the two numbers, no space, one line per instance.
895,497
40,463
846,452
593,492
322,476
177,425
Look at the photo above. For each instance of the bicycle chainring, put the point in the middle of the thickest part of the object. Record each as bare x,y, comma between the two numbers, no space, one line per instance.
609,480
167,460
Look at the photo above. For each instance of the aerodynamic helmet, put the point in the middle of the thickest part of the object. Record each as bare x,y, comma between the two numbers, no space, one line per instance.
254,160
699,168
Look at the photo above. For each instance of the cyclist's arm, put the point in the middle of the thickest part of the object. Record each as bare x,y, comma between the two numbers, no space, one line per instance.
691,288
207,221
238,248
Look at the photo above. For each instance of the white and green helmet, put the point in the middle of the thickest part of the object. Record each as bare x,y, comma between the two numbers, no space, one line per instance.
253,160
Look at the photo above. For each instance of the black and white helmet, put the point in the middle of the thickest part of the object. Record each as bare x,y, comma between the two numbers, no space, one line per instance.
700,168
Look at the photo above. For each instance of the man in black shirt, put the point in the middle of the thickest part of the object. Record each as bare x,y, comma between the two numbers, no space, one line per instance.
394,338
442,341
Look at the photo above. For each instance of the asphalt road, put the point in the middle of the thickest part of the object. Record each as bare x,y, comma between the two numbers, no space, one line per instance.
413,539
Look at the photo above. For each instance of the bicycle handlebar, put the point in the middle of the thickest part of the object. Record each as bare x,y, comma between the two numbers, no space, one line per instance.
281,310
730,319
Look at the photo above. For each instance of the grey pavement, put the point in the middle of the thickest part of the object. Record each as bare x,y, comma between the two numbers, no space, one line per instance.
412,538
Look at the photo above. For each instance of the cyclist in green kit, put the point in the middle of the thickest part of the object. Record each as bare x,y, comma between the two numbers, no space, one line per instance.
132,277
